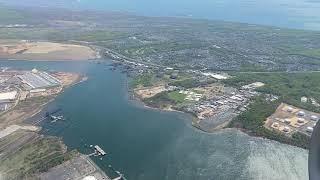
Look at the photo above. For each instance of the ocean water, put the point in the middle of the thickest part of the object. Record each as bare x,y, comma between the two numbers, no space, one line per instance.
147,144
302,14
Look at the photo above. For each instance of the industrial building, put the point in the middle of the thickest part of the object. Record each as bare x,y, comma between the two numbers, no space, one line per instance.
8,96
39,80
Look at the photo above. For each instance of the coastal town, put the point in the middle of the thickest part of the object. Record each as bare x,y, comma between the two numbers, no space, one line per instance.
212,103
230,78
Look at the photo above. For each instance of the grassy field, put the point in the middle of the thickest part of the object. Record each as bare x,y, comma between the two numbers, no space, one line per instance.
35,157
289,86
143,80
99,35
177,97
300,50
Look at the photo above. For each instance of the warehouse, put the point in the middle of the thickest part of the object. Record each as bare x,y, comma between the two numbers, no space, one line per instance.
8,96
39,80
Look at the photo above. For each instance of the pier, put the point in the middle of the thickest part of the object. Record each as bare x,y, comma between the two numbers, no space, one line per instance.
99,150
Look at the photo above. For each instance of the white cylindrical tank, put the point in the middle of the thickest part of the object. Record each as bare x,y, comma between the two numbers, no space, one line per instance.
290,109
286,129
310,129
314,118
301,113
288,121
300,120
275,124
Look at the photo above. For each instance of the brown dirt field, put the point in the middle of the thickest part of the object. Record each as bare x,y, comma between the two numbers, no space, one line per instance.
149,91
67,79
44,51
22,111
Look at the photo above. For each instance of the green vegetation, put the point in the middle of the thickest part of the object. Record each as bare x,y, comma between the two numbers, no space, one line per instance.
19,33
177,97
165,99
35,157
311,52
191,82
254,118
145,50
160,100
300,50
144,80
249,67
289,86
186,83
101,35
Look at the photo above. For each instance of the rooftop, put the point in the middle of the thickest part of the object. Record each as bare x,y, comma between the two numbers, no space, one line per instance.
38,80
8,95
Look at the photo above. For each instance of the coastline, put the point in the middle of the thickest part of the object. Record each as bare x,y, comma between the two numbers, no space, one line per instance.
26,120
218,127
191,118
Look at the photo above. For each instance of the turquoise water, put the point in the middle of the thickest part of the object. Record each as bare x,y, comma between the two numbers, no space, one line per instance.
146,144
302,14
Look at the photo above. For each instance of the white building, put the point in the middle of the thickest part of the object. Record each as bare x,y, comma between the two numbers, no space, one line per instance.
304,99
8,96
216,76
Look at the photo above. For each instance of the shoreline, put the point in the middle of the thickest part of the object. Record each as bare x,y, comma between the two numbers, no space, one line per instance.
216,129
139,102
31,120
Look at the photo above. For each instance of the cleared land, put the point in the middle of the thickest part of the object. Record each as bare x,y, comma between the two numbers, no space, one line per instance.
11,129
149,92
289,120
31,155
23,50
76,168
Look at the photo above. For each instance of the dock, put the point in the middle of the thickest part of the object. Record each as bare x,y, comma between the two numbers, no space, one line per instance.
100,150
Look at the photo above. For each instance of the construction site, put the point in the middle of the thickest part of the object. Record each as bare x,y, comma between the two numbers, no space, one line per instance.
289,119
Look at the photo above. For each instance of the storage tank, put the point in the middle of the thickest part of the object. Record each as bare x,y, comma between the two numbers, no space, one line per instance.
310,129
286,129
301,113
314,118
300,120
288,121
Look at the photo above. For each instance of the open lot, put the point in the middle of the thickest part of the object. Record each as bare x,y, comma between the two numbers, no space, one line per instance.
289,119
149,92
24,153
77,168
25,50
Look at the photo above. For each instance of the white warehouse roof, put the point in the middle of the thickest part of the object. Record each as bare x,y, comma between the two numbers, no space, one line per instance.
8,95
89,178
